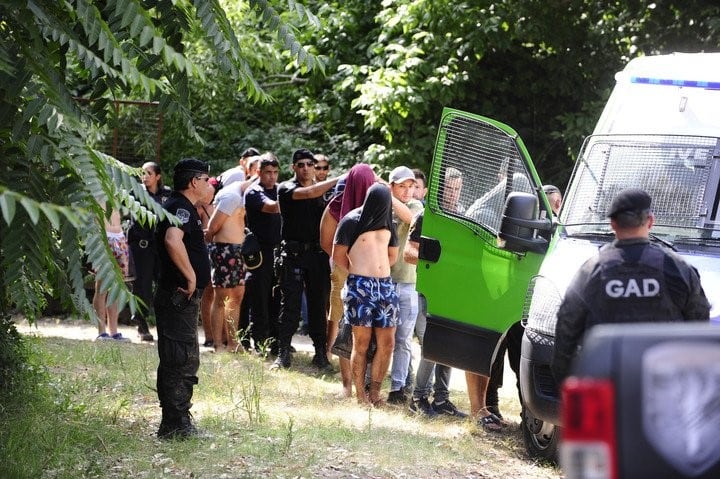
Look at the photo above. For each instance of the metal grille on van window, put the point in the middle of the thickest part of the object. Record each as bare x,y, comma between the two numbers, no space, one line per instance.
477,158
674,170
542,302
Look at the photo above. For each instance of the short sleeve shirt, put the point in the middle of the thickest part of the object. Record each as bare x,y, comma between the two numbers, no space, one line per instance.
300,218
401,271
229,198
266,226
170,276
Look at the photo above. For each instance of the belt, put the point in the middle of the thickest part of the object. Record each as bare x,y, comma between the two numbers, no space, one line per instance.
297,247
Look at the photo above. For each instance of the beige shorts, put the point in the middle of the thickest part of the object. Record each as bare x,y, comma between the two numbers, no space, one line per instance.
337,281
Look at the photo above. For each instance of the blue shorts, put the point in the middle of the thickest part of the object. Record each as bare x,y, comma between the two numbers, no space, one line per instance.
370,302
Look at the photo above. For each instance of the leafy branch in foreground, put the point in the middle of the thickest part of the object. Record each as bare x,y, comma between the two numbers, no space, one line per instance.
56,189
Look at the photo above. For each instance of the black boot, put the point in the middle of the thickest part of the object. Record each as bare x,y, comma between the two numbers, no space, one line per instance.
320,360
169,425
283,360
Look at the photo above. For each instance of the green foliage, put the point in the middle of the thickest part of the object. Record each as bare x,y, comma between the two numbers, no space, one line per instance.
56,188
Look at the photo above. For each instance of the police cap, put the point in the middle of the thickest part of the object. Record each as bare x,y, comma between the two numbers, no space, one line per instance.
632,200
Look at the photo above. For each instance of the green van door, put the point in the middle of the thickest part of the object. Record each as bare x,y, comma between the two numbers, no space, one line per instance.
475,288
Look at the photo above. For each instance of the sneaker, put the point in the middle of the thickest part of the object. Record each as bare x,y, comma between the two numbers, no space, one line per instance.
119,337
397,397
103,337
146,337
422,406
448,408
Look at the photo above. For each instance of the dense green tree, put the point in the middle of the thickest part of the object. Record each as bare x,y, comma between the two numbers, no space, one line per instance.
544,68
54,184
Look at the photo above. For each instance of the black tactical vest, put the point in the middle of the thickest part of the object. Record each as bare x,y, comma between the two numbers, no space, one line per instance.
632,291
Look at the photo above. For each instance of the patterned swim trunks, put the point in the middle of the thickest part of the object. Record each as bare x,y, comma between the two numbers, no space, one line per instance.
119,247
228,269
370,302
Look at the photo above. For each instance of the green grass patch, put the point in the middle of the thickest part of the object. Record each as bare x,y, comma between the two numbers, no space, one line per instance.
93,413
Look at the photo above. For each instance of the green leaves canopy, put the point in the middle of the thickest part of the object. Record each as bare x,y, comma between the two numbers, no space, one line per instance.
56,188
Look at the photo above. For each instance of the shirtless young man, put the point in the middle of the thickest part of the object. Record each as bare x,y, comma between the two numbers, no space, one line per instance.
108,313
366,246
225,234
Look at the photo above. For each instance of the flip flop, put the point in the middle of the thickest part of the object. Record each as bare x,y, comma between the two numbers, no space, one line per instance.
491,423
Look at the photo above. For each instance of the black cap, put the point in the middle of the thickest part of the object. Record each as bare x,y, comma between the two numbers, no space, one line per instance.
192,164
302,154
632,200
250,152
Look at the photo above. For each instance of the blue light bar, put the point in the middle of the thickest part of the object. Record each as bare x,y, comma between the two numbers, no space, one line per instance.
710,85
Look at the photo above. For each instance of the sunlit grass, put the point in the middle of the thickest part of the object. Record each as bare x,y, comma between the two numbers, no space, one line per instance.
98,415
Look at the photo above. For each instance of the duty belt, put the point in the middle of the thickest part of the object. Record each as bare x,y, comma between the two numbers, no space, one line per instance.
297,247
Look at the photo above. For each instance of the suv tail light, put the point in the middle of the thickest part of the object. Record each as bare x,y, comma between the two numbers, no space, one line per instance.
588,448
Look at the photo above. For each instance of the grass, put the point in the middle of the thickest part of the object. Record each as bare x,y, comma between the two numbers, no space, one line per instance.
94,413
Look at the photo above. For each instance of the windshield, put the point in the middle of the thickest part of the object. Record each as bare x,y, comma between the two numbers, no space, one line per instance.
681,174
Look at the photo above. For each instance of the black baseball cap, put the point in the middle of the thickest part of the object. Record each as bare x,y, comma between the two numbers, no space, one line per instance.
192,164
303,154
632,200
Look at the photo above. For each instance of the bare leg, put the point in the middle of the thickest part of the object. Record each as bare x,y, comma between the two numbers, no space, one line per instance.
112,318
346,376
358,358
477,388
332,332
385,338
206,313
232,315
218,318
100,307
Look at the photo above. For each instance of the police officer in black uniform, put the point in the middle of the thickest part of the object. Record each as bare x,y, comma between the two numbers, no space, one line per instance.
141,239
303,264
263,219
184,272
630,280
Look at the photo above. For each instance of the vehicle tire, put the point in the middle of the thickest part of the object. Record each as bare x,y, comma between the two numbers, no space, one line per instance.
541,438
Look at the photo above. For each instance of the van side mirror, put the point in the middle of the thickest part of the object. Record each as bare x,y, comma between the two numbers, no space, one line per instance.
521,222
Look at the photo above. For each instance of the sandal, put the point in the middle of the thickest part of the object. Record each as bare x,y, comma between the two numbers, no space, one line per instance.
491,423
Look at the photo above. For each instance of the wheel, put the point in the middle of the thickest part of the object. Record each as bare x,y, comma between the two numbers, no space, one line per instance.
541,438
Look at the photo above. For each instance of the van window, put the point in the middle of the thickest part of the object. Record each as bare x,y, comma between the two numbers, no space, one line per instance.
680,173
477,161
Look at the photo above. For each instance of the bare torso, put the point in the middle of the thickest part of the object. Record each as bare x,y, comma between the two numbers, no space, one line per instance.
370,255
233,229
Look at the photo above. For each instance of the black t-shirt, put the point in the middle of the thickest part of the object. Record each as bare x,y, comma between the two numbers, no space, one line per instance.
300,218
266,226
170,276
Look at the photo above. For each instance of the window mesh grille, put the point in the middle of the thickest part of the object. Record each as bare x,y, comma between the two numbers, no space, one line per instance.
674,170
476,160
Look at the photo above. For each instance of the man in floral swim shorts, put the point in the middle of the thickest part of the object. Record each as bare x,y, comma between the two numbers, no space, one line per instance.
366,245
225,234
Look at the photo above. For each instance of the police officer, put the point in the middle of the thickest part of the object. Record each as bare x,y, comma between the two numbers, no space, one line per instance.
630,280
263,219
304,265
184,272
141,238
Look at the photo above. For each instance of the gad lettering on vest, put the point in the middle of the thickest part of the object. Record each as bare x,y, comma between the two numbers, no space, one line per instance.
617,289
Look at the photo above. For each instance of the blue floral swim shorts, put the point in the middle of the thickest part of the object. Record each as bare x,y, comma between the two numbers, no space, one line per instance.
370,302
